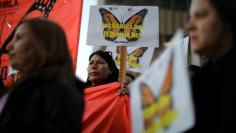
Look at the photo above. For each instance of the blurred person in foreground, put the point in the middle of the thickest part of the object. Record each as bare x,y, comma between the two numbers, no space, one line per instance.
46,99
212,29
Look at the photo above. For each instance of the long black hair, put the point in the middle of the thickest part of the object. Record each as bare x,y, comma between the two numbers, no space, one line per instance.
107,56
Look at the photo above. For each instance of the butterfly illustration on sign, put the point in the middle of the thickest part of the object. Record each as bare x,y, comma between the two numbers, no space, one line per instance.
132,58
130,29
158,111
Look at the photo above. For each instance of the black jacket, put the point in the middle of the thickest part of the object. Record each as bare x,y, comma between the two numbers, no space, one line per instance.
214,93
44,104
2,88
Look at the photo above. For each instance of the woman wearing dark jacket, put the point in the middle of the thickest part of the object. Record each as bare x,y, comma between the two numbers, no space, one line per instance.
212,31
47,98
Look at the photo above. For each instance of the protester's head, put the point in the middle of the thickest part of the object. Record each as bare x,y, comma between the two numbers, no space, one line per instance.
102,68
212,27
39,44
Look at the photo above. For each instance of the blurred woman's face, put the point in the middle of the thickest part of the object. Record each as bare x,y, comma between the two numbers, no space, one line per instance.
206,30
98,70
21,51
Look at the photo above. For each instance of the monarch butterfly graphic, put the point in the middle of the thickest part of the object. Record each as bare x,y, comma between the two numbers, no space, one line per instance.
158,111
129,29
132,58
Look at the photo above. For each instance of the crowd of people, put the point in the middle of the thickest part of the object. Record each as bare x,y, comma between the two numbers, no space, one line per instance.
49,98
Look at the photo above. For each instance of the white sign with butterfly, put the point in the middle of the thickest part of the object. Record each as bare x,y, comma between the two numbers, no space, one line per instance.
161,100
123,25
138,58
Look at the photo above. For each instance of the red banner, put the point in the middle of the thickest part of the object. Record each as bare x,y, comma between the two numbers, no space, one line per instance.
105,111
65,12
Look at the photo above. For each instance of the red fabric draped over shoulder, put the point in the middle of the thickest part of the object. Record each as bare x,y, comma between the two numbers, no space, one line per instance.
105,111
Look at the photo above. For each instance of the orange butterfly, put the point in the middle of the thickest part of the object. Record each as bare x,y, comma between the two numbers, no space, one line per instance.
158,111
130,29
132,58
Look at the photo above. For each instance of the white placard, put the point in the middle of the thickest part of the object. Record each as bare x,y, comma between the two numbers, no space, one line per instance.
123,25
161,98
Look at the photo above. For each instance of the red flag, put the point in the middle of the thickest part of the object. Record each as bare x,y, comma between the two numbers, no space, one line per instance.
106,111
65,12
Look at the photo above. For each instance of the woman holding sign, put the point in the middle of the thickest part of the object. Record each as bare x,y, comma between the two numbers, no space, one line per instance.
105,109
212,29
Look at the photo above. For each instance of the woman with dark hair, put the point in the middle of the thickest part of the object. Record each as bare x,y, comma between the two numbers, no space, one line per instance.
106,110
46,99
102,69
212,31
